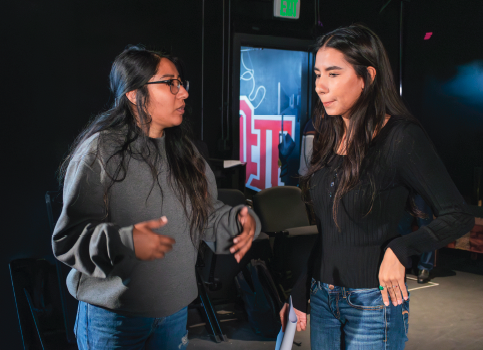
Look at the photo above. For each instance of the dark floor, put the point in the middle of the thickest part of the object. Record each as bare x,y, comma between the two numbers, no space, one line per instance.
446,313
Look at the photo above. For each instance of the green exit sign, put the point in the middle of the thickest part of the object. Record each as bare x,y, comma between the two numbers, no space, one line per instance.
289,9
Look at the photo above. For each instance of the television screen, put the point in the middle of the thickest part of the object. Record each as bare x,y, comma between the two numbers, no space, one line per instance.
271,99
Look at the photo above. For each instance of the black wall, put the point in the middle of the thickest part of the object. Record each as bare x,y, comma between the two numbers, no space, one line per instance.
443,82
56,59
57,55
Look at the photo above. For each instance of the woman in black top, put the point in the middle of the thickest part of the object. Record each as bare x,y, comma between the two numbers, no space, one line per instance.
369,158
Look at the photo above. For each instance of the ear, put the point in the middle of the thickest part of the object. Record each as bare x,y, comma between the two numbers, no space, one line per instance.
372,72
131,96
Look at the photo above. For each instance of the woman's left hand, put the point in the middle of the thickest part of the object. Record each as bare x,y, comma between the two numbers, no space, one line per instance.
244,240
391,277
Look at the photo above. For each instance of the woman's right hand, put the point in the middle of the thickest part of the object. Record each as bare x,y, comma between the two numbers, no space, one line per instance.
301,318
148,245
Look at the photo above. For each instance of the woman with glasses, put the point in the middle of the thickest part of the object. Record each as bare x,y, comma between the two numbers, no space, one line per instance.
138,199
369,158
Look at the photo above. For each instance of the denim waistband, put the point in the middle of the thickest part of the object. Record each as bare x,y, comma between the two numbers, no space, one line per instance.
330,288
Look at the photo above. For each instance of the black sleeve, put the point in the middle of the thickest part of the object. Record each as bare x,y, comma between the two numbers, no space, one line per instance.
421,169
301,289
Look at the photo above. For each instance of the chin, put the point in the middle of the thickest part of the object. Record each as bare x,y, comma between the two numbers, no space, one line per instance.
335,112
178,120
332,113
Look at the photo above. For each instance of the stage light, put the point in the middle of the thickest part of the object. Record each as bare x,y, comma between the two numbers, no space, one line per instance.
467,84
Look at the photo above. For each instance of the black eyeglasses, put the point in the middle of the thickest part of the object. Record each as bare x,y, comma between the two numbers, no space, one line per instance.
174,84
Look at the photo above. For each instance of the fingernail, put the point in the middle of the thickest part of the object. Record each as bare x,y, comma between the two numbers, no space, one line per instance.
394,303
235,240
405,298
163,218
232,250
386,303
399,302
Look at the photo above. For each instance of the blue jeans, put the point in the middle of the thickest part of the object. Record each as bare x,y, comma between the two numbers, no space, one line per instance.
426,260
355,319
100,329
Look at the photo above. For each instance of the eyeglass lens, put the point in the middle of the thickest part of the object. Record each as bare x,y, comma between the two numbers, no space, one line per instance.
175,86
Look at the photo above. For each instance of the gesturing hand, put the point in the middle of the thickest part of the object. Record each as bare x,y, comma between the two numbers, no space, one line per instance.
301,318
244,240
391,277
149,245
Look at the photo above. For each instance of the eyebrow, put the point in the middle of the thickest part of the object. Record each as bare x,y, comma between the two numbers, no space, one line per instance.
167,76
329,68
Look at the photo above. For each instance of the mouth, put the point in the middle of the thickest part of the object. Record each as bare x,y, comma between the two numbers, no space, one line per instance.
180,109
328,104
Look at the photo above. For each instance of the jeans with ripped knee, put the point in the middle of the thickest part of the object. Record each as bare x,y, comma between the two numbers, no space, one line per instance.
98,328
355,319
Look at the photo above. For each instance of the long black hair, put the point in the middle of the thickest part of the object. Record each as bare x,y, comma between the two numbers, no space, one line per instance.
362,48
131,70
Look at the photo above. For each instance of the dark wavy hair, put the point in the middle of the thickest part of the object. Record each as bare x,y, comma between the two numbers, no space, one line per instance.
362,48
131,70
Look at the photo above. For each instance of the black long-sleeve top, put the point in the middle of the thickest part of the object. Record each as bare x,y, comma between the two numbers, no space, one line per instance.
401,159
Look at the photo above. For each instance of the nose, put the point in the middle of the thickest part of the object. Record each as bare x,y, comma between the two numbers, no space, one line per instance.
182,93
320,87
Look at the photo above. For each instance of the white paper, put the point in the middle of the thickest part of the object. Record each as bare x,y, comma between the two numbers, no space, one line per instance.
231,163
285,340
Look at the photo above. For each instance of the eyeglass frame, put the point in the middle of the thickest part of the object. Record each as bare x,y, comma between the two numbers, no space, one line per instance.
169,82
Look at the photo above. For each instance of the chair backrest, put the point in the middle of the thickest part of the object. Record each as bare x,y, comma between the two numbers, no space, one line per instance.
280,208
231,197
37,298
224,266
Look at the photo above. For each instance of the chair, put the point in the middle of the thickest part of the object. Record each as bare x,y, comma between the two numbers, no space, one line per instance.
211,284
216,273
39,307
231,197
45,311
284,216
282,209
227,268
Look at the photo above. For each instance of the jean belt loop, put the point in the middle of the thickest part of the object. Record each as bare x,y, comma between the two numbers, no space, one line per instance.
319,284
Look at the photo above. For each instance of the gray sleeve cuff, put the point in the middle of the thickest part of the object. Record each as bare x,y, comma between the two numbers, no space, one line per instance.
226,226
126,235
